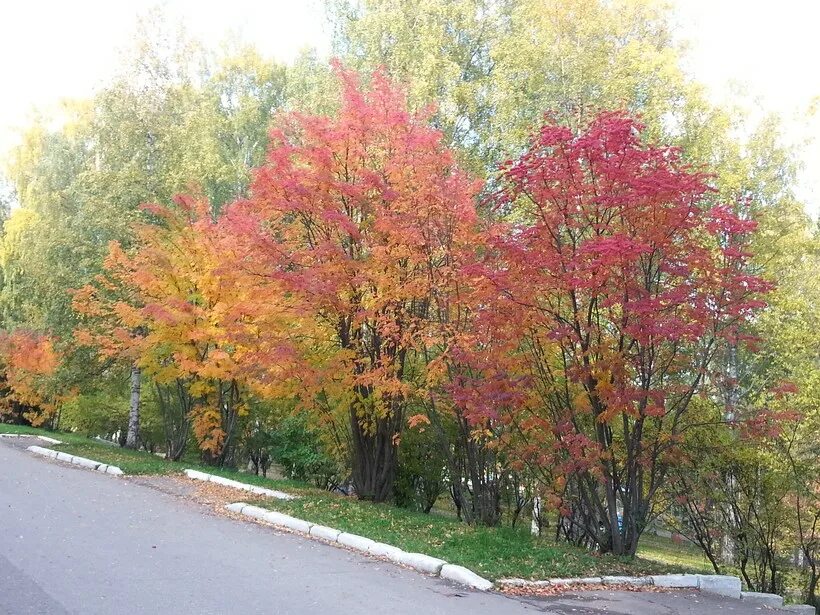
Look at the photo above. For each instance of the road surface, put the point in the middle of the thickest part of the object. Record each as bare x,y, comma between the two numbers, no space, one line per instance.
79,542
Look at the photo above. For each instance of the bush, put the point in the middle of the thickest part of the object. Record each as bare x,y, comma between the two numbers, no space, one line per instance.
95,414
302,454
104,413
420,478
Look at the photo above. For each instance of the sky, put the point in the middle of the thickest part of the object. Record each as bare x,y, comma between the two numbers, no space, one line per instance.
51,50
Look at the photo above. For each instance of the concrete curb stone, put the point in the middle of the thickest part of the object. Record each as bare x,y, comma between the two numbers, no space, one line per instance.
380,549
721,585
465,576
30,435
422,563
254,511
762,599
82,462
418,561
228,482
675,580
354,541
635,581
325,533
292,523
579,581
514,582
801,609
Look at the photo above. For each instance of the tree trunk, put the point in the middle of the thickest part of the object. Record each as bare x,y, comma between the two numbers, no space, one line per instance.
132,439
374,461
375,453
811,591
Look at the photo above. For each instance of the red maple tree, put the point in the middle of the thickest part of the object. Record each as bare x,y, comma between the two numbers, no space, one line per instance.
623,280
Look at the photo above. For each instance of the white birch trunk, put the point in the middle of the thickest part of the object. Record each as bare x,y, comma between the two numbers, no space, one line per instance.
132,438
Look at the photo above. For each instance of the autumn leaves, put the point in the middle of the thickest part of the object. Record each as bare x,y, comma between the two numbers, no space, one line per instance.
566,331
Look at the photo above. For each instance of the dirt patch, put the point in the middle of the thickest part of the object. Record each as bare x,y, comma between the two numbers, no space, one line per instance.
210,495
24,442
536,591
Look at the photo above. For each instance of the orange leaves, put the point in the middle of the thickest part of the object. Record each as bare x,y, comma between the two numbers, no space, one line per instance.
365,219
187,306
416,420
207,427
29,362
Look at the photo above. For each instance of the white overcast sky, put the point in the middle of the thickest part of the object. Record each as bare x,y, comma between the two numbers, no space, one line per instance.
50,50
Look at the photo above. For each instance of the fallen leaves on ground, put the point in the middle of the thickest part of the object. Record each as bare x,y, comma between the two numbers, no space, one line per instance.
536,591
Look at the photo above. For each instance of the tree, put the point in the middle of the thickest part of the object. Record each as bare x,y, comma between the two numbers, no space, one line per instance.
7,198
239,101
29,364
492,67
440,50
183,308
360,216
176,118
110,324
624,282
580,57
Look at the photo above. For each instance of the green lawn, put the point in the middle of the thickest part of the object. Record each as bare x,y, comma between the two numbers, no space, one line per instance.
141,462
491,552
669,552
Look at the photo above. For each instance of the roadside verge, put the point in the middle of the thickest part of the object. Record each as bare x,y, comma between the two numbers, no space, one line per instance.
418,561
29,435
227,482
82,462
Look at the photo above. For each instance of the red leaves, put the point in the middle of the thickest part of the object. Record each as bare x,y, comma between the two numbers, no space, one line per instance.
358,262
610,291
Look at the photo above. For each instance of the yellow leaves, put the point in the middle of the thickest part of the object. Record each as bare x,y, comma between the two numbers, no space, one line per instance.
604,386
127,314
581,402
481,434
437,373
200,388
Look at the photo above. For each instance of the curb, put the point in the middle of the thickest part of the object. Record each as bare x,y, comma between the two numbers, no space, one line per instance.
802,609
720,585
30,435
418,561
770,600
707,583
716,584
77,461
227,482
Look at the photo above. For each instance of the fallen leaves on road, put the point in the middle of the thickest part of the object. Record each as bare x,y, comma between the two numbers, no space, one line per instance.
214,496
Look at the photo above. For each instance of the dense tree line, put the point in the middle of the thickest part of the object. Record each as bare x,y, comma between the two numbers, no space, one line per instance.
501,250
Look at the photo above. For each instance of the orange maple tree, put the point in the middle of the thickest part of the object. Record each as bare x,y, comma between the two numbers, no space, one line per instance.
29,363
186,307
361,216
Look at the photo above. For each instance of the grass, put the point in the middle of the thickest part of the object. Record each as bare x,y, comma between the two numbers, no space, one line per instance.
672,553
141,462
491,552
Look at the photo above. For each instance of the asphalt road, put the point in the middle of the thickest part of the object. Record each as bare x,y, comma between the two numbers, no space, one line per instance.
75,541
